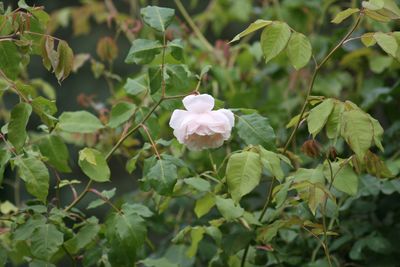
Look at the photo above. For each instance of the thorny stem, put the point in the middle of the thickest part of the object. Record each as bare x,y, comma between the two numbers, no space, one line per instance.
192,25
314,76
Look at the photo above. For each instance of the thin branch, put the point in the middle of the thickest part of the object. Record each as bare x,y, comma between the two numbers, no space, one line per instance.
316,70
192,25
153,144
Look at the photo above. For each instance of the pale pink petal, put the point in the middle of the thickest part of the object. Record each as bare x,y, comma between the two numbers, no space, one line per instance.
229,115
177,117
198,103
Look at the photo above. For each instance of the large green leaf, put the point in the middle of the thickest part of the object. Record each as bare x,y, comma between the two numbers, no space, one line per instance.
157,17
94,165
318,116
56,152
299,50
228,209
10,59
79,122
243,173
256,25
85,235
137,85
387,43
143,51
204,205
162,177
357,130
121,113
274,39
35,175
45,109
65,61
255,129
333,124
17,126
345,179
272,162
46,241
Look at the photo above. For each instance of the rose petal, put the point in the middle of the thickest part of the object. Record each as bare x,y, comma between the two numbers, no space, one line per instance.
198,103
177,117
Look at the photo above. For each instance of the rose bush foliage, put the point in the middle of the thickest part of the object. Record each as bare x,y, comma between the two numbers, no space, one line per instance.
297,164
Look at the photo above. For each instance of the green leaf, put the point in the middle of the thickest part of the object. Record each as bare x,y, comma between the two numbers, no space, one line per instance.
130,165
94,165
65,61
35,175
274,39
10,59
373,4
155,79
157,17
130,227
204,205
198,183
5,156
17,126
358,132
137,86
368,39
121,113
162,177
255,129
24,231
164,262
344,15
85,235
143,51
46,241
229,210
299,50
178,77
196,235
345,179
56,152
39,263
258,24
272,162
79,122
243,173
318,116
176,47
138,209
45,109
387,43
106,194
333,124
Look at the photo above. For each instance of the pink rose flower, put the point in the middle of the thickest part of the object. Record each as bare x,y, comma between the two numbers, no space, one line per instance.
200,127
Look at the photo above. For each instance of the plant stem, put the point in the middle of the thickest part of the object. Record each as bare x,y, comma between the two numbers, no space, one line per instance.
192,25
153,144
263,211
314,76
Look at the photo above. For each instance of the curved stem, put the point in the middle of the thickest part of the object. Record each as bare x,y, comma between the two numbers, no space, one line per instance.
314,76
192,25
